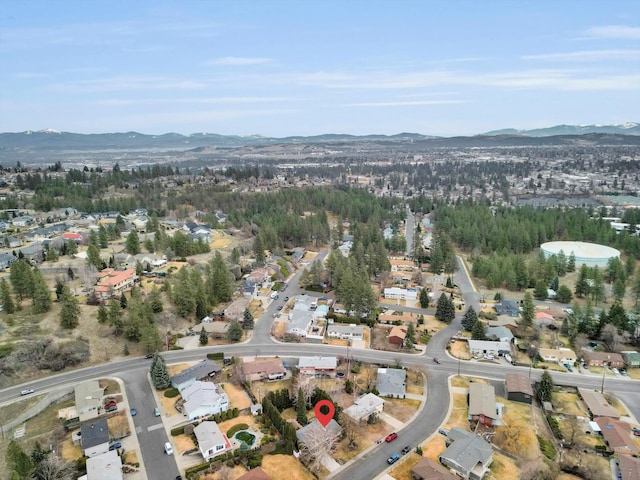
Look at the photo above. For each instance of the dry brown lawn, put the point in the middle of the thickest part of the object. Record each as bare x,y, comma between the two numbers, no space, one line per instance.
415,382
403,470
460,349
167,405
338,342
459,413
69,451
260,389
130,457
183,443
503,467
366,436
551,366
460,381
434,447
119,425
401,408
176,368
567,476
278,328
236,472
238,398
285,467
567,403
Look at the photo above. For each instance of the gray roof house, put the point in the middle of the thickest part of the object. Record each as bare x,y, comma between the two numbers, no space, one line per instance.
94,437
467,454
204,369
391,382
502,334
299,322
312,432
364,406
508,307
345,331
88,397
6,259
211,441
107,466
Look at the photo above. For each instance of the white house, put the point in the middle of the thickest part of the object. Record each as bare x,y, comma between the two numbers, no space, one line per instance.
88,397
487,347
211,441
299,322
396,293
558,355
365,406
345,332
107,466
203,399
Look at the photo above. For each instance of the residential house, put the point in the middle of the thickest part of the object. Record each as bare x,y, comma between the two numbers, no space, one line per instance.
482,404
319,366
299,322
88,396
617,436
216,329
114,282
313,432
72,236
4,225
364,407
391,382
631,358
264,369
427,469
597,405
467,454
259,275
405,318
396,293
558,355
501,334
211,441
600,359
203,399
629,467
6,259
200,371
107,466
248,288
402,266
519,388
12,242
488,347
397,335
255,474
34,252
508,307
94,437
23,221
544,318
345,332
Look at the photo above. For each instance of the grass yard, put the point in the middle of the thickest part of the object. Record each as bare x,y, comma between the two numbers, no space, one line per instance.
402,409
550,366
460,349
285,467
434,447
338,342
415,382
238,398
112,386
567,403
183,443
459,413
236,472
460,381
260,389
634,373
69,451
167,405
130,457
366,436
503,467
403,471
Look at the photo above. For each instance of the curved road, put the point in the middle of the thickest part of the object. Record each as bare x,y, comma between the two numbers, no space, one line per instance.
152,436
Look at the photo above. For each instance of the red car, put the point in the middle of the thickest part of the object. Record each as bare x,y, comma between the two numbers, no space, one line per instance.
391,437
110,404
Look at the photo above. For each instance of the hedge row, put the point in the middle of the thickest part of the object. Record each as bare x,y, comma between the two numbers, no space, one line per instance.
171,392
236,428
196,468
215,356
547,447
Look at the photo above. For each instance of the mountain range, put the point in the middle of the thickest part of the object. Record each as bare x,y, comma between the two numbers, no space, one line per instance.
629,128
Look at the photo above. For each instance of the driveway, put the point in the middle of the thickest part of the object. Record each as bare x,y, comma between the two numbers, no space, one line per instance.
394,422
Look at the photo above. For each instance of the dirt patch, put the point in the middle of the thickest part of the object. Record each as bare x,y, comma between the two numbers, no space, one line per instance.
285,466
119,425
338,342
401,409
403,471
221,240
460,349
183,443
238,398
503,467
459,413
69,451
550,366
433,448
278,328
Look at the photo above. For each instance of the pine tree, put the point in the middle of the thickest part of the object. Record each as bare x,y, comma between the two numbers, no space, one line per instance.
247,320
545,387
93,257
410,337
478,331
72,248
301,408
41,296
571,263
234,333
150,338
159,373
424,298
540,291
69,310
204,337
21,278
17,461
103,239
445,310
6,297
528,310
115,317
132,244
103,315
123,301
469,319
582,287
258,248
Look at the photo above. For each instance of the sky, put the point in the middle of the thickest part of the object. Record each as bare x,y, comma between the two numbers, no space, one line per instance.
280,68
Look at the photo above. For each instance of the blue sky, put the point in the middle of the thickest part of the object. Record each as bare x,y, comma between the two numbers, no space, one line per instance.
281,68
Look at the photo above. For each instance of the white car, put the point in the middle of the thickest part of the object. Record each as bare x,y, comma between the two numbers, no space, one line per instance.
27,391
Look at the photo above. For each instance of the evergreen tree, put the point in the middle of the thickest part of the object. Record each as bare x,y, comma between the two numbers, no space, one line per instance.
582,286
247,320
235,255
93,239
21,278
258,249
424,298
71,248
132,244
545,387
619,289
469,319
103,239
564,295
234,333
17,461
155,301
528,310
219,283
571,263
123,301
564,329
114,312
150,338
183,294
93,257
204,337
159,373
445,310
41,296
478,331
69,310
301,408
410,337
540,292
6,297
103,315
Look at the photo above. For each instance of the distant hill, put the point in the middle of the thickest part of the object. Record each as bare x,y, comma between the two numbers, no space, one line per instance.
629,128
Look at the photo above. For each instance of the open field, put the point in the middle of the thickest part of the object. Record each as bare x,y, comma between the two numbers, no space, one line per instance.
415,382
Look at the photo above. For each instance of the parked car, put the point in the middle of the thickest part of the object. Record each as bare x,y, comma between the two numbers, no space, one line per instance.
406,450
115,446
168,449
568,367
279,307
391,437
134,412
322,297
436,360
149,355
623,371
27,391
393,459
110,403
615,371
286,299
156,412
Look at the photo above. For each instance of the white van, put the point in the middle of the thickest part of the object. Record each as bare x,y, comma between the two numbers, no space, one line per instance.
168,449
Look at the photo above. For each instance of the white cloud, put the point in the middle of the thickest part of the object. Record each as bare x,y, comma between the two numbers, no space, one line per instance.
239,61
586,56
124,83
615,31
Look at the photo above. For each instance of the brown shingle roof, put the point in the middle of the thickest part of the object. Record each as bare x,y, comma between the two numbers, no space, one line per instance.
518,383
255,474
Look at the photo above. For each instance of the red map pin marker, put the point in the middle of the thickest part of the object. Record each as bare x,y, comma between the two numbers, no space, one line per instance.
324,411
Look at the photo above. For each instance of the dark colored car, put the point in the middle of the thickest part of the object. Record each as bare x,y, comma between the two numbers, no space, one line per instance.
115,446
391,437
279,307
436,360
406,450
149,355
134,412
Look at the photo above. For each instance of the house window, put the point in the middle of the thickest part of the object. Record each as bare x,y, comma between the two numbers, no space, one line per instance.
219,447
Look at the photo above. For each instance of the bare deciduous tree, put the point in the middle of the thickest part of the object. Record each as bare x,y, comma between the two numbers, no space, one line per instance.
53,467
307,384
317,443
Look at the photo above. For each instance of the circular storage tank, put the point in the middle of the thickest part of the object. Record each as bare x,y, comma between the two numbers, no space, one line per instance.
590,254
